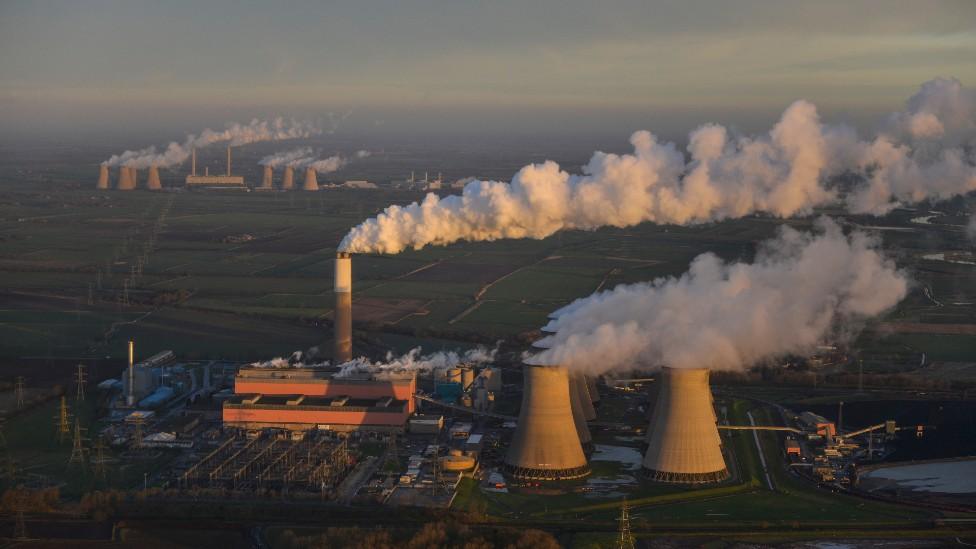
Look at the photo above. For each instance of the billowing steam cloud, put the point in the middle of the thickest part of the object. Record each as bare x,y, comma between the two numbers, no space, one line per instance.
235,134
801,288
327,165
303,158
414,361
924,153
284,158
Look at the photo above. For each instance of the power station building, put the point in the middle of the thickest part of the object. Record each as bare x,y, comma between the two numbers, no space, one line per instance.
300,399
207,181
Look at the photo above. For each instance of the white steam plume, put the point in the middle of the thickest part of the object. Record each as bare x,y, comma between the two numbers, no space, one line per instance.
783,173
415,362
800,289
328,165
235,134
285,157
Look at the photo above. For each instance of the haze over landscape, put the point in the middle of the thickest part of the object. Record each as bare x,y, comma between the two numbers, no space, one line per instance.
418,274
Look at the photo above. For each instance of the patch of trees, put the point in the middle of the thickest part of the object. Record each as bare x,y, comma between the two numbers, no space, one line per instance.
434,535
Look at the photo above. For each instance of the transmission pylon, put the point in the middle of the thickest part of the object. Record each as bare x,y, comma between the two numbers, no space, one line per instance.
98,461
80,379
77,447
61,423
19,392
625,540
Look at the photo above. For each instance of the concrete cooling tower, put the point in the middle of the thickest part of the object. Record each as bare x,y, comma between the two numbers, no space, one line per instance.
593,390
134,174
288,182
578,401
342,326
579,385
125,183
153,183
267,180
546,446
684,445
102,178
311,183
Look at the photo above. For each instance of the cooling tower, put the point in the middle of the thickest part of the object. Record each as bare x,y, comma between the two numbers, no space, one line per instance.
102,178
546,446
126,181
134,174
153,182
593,390
578,384
343,309
684,445
288,182
311,183
577,398
266,182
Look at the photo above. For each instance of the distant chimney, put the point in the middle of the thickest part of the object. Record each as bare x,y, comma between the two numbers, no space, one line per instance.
193,162
102,178
153,183
267,182
131,400
311,183
228,159
288,182
342,319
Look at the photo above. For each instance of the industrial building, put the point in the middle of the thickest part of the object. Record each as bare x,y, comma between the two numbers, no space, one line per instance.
207,181
299,398
684,444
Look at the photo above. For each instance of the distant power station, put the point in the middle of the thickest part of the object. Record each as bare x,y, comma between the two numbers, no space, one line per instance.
226,181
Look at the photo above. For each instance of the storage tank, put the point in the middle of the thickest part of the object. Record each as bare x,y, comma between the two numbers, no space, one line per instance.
546,446
454,375
467,377
684,445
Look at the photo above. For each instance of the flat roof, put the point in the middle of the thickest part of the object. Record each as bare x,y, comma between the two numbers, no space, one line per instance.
306,402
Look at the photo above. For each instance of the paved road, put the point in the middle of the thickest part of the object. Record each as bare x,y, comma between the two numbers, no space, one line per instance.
762,458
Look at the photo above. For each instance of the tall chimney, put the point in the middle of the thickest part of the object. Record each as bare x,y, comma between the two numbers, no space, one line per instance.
153,183
228,159
131,400
288,182
267,182
311,183
343,309
684,444
102,178
546,445
193,162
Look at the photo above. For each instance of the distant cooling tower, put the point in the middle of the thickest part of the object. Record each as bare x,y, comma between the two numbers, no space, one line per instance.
593,390
153,183
578,402
125,183
134,174
546,446
267,181
311,182
684,445
102,178
288,182
578,385
342,326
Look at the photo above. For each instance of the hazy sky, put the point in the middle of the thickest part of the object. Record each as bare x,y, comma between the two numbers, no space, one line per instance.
468,66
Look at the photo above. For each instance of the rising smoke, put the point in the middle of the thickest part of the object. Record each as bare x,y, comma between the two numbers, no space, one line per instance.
413,361
235,134
285,158
800,289
924,153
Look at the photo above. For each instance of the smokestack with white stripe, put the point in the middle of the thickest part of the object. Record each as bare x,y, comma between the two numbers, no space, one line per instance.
343,309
